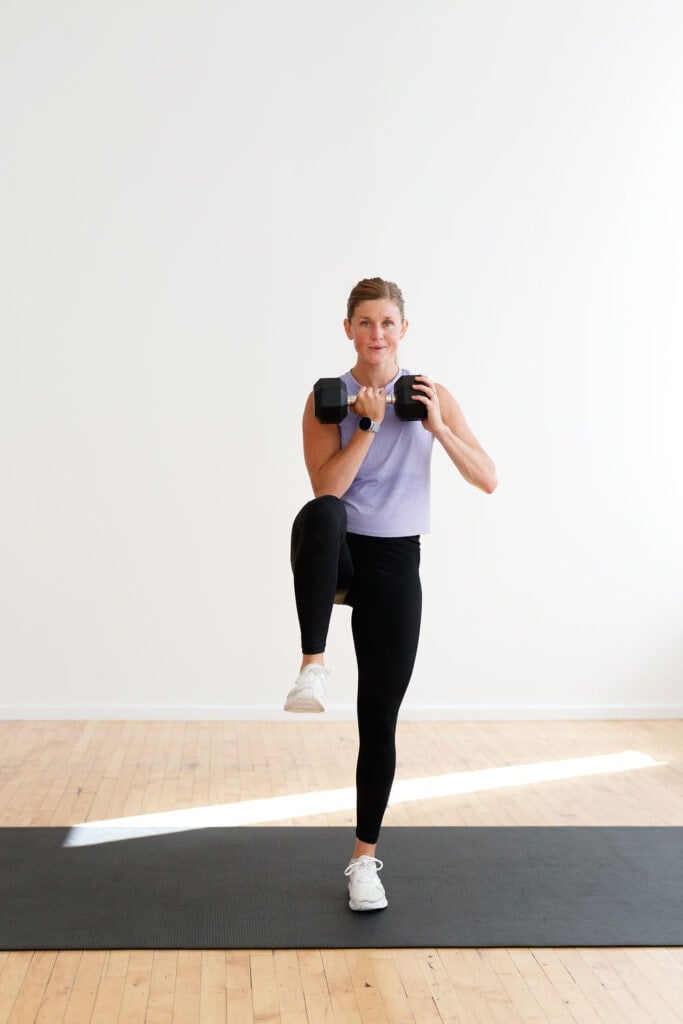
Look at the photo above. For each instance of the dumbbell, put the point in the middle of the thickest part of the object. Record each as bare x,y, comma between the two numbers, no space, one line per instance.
332,401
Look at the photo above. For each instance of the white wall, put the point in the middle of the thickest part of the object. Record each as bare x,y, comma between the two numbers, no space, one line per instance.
189,191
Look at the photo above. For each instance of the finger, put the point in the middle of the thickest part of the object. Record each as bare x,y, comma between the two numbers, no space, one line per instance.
430,392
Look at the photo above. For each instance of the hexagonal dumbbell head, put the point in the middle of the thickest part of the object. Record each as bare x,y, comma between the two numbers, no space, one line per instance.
331,400
404,406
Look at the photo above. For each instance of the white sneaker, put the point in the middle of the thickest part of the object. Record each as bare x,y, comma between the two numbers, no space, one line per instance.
308,692
366,892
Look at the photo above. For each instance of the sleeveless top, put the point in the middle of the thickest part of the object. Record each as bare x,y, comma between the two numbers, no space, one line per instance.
390,494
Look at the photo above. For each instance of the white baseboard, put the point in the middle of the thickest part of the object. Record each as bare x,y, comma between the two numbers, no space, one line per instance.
254,713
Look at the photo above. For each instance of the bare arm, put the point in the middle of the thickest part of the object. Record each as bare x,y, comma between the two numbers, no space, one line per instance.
446,421
332,469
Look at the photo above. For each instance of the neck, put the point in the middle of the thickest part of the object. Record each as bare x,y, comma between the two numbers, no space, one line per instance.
375,376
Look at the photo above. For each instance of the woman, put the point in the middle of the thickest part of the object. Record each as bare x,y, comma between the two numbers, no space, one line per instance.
358,542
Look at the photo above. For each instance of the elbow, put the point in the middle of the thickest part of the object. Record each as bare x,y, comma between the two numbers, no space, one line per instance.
490,481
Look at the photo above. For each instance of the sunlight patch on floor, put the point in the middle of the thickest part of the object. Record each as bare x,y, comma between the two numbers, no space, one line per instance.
301,805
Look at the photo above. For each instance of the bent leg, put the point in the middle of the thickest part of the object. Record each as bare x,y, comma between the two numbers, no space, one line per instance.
321,564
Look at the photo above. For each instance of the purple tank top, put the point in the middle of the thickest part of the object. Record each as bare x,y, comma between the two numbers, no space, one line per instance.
390,494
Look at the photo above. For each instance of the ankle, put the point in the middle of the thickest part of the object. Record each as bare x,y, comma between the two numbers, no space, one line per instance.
312,659
362,849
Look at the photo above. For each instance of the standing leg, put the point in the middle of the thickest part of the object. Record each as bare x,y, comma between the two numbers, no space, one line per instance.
386,628
387,610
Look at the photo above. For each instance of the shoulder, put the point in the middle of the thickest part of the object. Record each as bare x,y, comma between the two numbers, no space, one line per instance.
445,396
450,410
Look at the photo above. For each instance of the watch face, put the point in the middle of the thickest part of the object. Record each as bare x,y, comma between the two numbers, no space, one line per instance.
365,423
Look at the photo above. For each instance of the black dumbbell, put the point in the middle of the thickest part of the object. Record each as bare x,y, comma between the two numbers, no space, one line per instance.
332,400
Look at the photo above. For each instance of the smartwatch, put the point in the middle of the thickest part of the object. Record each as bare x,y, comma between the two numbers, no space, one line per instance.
365,423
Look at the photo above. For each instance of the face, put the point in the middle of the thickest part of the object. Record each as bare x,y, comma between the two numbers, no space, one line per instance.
376,330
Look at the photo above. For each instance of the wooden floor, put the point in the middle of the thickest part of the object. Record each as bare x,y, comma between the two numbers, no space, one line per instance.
65,773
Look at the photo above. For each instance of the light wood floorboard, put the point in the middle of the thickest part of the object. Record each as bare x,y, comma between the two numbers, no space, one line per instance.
67,773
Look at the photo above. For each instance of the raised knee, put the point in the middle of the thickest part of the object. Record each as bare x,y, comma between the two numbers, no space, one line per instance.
326,510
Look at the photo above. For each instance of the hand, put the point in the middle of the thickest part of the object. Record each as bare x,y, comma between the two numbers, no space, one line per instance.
426,392
371,402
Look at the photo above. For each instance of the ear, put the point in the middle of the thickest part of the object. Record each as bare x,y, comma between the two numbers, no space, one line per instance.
404,327
347,328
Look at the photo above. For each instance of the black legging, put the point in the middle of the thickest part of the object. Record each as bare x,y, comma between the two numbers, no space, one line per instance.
381,575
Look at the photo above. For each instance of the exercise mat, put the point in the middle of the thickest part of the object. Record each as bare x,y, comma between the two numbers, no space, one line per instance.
284,888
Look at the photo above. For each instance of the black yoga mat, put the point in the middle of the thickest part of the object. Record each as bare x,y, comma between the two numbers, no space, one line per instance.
277,888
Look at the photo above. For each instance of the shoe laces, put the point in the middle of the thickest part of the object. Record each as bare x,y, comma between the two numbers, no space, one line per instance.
316,670
364,867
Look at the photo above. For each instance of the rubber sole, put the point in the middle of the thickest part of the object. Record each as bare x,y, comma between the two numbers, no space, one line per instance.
303,705
378,905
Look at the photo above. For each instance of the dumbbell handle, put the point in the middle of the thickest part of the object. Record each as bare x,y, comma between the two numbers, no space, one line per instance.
388,398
